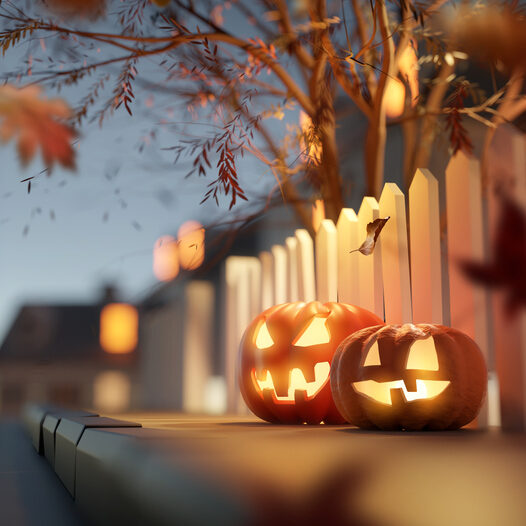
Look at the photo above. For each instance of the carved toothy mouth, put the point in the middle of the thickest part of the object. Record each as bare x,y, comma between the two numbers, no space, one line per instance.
297,382
381,391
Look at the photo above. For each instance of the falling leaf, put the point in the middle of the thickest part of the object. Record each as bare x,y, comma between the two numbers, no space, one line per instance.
505,269
68,9
36,122
160,3
373,231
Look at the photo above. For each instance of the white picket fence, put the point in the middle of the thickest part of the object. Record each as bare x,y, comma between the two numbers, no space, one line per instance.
412,276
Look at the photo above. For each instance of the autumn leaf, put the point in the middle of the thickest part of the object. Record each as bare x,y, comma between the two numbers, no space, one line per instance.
68,9
160,3
36,122
506,268
373,231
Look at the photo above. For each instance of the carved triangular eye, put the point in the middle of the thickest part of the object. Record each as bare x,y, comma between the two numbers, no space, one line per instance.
263,338
315,333
423,355
373,356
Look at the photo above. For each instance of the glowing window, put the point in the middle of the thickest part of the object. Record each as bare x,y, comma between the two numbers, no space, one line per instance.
423,355
111,391
119,323
315,333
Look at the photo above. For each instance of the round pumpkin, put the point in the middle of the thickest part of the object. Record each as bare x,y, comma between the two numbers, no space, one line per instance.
285,357
408,377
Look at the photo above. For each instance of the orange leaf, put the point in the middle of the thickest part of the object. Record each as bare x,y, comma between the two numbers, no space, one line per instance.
36,122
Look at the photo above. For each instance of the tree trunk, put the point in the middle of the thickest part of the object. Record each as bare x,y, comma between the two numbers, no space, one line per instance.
331,185
375,154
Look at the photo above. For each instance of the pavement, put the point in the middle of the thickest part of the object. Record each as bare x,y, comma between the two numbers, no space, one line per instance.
30,492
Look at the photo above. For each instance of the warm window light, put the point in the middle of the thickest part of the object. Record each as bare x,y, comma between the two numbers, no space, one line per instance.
111,391
165,258
119,323
318,214
191,238
394,98
215,396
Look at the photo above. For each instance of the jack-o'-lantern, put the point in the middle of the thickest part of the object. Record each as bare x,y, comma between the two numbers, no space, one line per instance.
285,358
408,377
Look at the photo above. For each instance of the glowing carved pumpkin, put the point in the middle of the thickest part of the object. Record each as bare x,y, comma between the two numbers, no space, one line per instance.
285,358
408,377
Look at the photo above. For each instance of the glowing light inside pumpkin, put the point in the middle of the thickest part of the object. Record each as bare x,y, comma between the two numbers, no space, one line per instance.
373,356
381,391
315,333
191,239
264,339
423,355
165,258
297,382
119,324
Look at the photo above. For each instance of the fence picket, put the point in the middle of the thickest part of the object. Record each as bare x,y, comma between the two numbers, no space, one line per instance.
279,273
238,281
395,256
326,262
468,303
267,288
306,284
370,267
509,332
291,245
197,344
424,229
348,258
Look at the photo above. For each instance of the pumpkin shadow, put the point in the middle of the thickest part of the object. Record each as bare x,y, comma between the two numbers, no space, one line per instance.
464,432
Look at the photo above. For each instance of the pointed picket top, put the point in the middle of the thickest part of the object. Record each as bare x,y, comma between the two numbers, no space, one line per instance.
370,267
279,273
327,262
426,266
348,258
306,283
291,245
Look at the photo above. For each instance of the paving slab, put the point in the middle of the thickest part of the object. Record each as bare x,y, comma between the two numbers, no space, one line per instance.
67,436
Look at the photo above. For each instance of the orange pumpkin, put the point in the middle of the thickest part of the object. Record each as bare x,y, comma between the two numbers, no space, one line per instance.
285,357
408,377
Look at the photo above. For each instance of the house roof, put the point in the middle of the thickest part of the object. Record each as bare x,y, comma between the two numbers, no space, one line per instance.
51,332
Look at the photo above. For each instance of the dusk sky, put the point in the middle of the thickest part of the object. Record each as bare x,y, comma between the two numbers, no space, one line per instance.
107,214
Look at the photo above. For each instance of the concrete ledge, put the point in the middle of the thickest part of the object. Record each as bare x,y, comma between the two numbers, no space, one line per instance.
67,436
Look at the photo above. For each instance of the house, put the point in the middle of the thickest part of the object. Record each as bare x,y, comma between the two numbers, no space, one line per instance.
52,354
